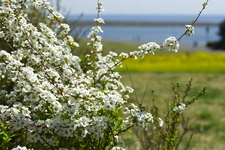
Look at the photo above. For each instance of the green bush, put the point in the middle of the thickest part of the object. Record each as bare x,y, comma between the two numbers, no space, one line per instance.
215,45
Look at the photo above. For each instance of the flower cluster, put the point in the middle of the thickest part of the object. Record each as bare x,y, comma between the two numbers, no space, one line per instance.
99,21
100,8
171,44
180,108
150,47
189,30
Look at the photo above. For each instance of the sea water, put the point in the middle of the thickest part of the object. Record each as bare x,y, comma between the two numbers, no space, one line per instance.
203,33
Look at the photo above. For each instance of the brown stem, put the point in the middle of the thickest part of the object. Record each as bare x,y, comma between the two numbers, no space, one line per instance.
193,22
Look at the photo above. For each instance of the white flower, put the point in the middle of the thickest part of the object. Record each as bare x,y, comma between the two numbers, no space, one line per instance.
58,15
109,105
100,8
149,47
124,55
129,89
180,108
2,34
20,148
126,110
117,148
160,122
65,27
99,20
171,44
119,140
189,30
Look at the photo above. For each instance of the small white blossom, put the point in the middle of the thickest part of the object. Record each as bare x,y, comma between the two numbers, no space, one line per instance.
189,30
119,140
150,47
160,122
123,55
65,27
2,34
20,148
171,44
99,20
100,8
180,108
118,148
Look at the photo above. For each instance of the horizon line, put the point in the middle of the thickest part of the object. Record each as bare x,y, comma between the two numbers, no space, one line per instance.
102,14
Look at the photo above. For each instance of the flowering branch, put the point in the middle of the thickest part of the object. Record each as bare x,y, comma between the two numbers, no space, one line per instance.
189,29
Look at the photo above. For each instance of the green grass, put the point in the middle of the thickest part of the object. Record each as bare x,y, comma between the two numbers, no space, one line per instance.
206,115
126,47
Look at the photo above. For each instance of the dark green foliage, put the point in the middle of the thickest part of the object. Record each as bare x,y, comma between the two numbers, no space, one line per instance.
222,30
215,45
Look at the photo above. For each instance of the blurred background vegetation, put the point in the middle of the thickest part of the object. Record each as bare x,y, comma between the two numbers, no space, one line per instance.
218,45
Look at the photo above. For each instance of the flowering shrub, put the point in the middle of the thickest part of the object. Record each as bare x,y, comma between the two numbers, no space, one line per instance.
48,100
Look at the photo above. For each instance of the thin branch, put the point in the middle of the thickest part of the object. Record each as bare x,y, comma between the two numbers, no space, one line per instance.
132,84
144,93
98,14
193,22
3,147
189,141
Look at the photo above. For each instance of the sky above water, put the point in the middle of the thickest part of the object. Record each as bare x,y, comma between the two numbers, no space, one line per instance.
182,7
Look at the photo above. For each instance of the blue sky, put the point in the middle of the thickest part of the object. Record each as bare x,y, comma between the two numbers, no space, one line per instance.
215,7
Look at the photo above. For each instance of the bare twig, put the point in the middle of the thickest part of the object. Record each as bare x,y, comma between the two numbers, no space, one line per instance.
132,84
3,147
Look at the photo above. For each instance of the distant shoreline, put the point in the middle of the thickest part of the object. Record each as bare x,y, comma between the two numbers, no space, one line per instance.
87,23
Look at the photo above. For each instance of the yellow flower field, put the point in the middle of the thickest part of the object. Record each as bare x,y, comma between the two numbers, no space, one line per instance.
195,62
